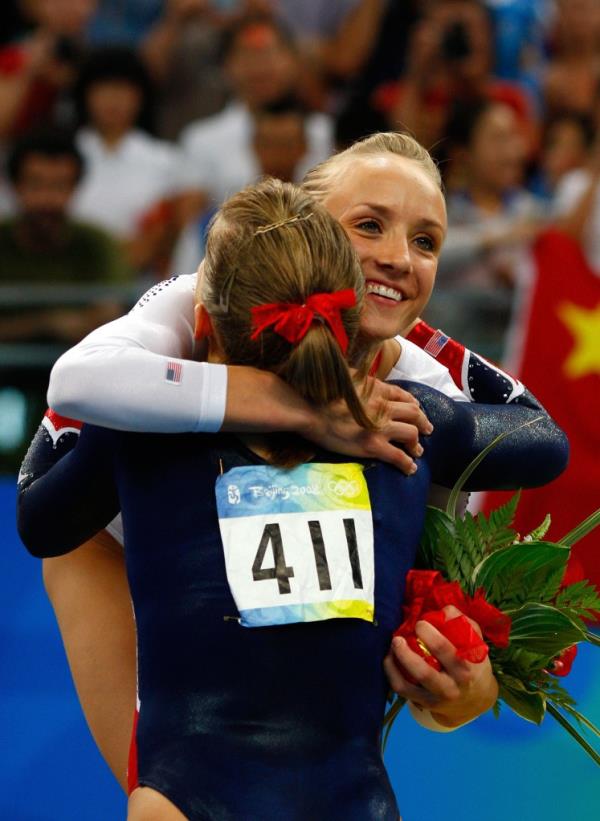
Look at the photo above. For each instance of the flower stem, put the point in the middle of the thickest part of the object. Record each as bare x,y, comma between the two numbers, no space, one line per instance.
551,708
389,719
582,529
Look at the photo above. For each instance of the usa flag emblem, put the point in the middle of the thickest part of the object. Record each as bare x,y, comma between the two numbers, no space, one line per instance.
173,374
436,343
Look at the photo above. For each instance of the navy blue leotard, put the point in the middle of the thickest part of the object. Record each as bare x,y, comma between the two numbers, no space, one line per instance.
280,722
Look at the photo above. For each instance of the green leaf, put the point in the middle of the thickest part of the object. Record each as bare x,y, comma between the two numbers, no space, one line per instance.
529,705
530,571
556,693
501,519
437,525
469,546
540,531
582,529
439,548
518,661
580,595
543,629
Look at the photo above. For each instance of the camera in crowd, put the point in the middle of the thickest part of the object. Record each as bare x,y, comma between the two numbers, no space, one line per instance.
455,43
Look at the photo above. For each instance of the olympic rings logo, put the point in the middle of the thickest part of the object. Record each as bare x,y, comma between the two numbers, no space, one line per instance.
344,487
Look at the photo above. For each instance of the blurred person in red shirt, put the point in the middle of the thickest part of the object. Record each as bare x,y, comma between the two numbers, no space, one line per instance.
37,71
450,57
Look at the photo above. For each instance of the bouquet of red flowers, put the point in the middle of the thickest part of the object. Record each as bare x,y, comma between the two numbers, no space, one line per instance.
531,620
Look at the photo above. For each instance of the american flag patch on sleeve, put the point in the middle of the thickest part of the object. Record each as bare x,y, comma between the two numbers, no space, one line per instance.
173,374
436,343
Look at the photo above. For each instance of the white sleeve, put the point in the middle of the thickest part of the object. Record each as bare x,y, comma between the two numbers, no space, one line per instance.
136,374
417,366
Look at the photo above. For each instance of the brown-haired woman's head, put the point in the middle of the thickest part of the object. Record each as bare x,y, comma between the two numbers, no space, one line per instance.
271,243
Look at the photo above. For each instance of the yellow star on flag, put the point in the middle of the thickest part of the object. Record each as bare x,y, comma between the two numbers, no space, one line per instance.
584,326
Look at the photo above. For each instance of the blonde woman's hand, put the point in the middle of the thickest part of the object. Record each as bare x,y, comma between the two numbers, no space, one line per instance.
399,418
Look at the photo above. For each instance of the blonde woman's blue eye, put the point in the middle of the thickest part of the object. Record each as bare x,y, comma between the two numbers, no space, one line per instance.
426,243
368,225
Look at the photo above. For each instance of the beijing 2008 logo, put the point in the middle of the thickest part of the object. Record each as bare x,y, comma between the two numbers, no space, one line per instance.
344,487
233,494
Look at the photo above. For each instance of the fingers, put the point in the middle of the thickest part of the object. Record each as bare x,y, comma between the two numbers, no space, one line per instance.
459,692
393,393
394,403
381,449
404,688
453,612
404,434
439,646
431,686
409,413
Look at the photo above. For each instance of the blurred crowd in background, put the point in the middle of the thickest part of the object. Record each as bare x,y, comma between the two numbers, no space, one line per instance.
125,123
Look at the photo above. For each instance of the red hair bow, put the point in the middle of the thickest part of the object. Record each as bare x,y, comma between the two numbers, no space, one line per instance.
292,321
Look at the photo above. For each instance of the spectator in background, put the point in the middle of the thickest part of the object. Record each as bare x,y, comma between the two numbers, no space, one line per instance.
182,52
37,72
576,205
279,139
571,78
566,141
261,64
43,245
279,145
335,39
490,217
130,180
450,56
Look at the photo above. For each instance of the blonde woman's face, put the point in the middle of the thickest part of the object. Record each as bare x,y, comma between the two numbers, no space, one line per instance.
395,216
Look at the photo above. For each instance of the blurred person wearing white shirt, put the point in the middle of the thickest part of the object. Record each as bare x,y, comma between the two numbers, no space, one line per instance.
261,64
131,176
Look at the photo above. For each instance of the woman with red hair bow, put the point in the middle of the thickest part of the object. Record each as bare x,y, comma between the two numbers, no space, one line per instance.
264,554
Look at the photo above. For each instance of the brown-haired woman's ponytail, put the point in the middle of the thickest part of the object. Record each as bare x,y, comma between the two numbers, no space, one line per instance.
271,246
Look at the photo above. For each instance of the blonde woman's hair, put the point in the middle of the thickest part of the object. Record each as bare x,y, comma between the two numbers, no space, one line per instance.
272,243
320,180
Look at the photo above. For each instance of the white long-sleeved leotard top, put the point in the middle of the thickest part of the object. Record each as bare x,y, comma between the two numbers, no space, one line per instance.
140,372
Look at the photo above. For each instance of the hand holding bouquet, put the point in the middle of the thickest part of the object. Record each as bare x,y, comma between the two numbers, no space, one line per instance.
513,588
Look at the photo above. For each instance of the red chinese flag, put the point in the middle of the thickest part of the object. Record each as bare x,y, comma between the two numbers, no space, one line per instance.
560,364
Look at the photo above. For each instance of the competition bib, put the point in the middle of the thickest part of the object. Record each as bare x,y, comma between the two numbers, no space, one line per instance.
298,543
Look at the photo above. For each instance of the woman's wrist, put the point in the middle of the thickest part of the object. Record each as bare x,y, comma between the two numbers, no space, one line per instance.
261,402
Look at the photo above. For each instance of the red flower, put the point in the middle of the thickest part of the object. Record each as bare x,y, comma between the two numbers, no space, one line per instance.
427,593
449,593
561,666
459,632
495,625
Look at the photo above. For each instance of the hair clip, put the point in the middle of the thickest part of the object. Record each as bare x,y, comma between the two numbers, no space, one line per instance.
263,229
